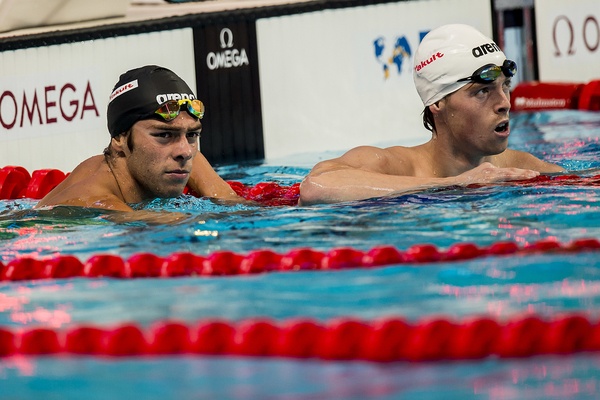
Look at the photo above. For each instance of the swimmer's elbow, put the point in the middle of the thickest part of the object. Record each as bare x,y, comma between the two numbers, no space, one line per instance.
312,191
323,183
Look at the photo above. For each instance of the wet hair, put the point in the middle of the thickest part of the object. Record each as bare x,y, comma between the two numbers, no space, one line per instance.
428,121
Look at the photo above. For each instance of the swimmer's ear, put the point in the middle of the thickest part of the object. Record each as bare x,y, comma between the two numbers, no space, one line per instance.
119,144
437,107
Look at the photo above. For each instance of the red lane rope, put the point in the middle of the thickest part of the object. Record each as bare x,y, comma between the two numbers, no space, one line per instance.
16,182
559,180
388,339
147,265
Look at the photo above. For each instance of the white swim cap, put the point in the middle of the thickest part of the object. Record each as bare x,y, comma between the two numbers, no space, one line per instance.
447,54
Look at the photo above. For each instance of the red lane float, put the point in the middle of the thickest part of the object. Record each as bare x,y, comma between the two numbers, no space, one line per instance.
224,263
384,340
42,182
268,193
13,182
539,96
589,98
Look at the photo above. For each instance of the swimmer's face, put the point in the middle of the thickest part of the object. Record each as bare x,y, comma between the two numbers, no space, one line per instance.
160,159
477,117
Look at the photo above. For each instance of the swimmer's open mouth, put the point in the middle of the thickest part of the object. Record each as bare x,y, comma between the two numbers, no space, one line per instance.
503,127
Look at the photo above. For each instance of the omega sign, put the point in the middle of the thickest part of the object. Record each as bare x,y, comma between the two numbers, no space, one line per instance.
228,57
589,31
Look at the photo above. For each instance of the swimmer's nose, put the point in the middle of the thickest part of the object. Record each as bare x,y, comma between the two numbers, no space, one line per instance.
184,149
504,102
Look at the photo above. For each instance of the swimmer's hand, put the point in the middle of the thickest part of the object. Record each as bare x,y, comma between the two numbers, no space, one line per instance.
488,173
148,217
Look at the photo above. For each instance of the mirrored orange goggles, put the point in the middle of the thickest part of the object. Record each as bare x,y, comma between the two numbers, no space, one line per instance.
170,110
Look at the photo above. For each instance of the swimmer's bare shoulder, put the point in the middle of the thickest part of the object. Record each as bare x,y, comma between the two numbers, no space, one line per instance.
89,185
396,160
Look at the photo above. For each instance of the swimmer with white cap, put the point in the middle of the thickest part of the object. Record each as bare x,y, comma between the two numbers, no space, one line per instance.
463,79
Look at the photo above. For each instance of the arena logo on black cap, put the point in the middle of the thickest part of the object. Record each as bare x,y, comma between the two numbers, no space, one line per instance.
163,98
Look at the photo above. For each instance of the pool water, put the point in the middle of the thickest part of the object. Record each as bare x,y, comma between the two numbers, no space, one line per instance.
501,287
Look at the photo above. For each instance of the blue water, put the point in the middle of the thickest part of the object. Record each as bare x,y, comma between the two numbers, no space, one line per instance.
226,378
499,287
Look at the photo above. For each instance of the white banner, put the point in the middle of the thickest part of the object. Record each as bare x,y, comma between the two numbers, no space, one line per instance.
53,99
568,40
335,79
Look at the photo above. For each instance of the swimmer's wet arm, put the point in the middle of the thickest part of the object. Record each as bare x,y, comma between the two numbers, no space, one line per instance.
333,181
206,182
345,183
361,173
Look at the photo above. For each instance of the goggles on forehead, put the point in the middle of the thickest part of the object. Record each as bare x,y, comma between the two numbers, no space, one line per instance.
490,72
170,110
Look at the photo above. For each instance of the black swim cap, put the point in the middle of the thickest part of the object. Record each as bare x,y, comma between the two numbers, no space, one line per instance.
139,93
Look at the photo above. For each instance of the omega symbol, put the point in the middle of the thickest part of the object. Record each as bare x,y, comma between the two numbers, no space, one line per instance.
227,57
226,37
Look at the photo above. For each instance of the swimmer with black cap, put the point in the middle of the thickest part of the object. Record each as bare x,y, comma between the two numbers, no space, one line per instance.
154,120
463,79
